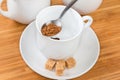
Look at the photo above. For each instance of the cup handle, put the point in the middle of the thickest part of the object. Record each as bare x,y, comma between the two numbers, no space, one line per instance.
4,13
89,20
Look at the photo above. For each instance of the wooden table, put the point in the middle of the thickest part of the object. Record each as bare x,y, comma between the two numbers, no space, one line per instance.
106,25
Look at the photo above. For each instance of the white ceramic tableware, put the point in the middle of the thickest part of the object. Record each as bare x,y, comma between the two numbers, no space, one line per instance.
85,6
86,55
72,26
23,11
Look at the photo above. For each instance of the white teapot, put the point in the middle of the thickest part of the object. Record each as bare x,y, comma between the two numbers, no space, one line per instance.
85,6
23,11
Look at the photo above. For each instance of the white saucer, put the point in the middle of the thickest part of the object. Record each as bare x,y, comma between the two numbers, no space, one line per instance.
86,56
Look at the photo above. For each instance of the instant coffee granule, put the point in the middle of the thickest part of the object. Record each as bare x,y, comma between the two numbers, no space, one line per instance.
55,38
50,29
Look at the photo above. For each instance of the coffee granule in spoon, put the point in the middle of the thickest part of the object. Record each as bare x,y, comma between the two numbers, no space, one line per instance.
50,29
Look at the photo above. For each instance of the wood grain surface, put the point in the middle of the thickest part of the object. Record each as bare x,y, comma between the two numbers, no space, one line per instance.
106,25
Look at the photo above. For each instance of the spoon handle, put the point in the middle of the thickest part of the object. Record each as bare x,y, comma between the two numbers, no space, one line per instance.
67,7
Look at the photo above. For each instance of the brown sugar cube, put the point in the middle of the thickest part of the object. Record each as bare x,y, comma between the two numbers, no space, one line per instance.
70,62
50,64
59,70
62,63
60,66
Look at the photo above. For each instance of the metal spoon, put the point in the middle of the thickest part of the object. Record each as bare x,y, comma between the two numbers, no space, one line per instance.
57,21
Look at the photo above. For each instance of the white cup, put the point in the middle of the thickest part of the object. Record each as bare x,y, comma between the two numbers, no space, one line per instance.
72,26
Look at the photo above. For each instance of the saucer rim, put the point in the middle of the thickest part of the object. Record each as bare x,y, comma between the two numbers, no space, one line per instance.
61,77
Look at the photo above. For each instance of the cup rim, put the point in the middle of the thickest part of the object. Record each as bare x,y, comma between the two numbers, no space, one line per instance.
76,13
